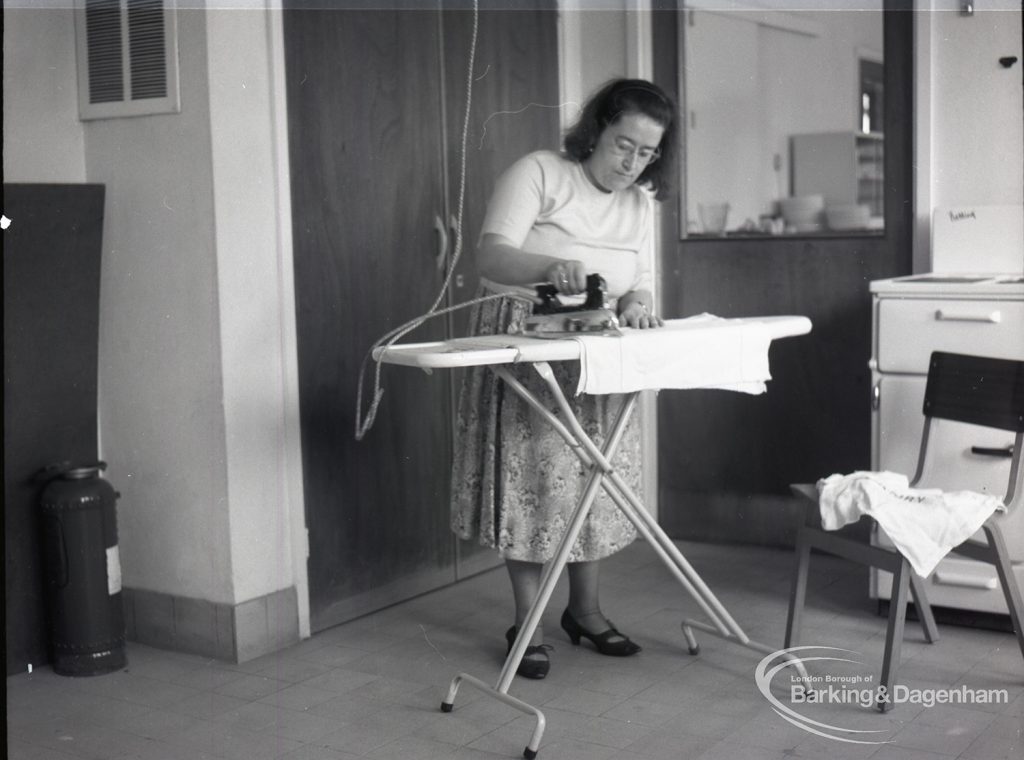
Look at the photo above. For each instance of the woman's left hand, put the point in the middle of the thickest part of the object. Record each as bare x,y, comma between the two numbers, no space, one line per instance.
637,315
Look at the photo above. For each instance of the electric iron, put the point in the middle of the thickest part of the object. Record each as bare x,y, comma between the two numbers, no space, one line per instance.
553,319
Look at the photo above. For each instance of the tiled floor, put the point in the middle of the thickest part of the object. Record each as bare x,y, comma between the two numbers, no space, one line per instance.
372,688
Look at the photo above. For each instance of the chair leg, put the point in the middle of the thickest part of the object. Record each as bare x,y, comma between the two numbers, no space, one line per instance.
798,591
924,609
1007,579
894,632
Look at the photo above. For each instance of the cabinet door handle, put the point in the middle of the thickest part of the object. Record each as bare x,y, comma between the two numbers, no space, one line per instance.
990,451
442,242
946,578
876,396
992,317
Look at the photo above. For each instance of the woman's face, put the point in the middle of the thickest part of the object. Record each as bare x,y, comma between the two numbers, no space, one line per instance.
623,151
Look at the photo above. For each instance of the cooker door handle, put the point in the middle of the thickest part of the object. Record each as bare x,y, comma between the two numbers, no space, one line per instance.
992,317
988,451
946,578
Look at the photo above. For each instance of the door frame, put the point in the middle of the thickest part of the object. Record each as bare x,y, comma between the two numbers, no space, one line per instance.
291,465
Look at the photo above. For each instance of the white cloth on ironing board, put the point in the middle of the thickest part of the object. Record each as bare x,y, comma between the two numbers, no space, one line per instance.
923,523
733,356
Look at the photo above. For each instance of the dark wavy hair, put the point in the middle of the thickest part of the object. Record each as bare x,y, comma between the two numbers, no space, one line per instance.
615,99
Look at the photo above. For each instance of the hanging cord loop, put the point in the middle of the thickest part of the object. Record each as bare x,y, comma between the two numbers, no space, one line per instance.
390,338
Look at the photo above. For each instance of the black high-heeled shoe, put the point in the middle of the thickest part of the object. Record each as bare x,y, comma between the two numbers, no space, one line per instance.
623,647
530,668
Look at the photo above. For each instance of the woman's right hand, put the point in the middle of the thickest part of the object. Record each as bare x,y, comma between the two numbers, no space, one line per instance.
569,277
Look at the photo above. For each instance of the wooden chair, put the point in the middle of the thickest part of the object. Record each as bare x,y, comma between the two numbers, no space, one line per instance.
972,389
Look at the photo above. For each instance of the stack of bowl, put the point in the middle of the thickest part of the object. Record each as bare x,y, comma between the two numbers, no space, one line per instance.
802,213
847,216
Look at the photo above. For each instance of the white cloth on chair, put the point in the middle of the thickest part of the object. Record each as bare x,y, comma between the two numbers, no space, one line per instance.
923,523
733,356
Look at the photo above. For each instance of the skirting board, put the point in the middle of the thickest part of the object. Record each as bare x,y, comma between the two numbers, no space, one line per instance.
235,633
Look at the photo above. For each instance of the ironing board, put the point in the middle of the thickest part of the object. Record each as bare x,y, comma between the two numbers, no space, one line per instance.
501,351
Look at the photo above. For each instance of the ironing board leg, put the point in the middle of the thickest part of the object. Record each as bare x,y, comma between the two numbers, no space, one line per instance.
554,568
727,626
538,731
579,515
724,625
632,507
602,474
634,510
574,435
548,582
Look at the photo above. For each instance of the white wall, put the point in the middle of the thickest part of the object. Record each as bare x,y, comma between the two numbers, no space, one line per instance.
593,49
43,138
969,128
197,400
161,393
255,315
195,355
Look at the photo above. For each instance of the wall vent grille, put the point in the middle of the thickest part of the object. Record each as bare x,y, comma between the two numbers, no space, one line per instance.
148,52
127,58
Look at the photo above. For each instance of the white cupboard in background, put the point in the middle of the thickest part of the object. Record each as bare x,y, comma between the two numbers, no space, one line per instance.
978,312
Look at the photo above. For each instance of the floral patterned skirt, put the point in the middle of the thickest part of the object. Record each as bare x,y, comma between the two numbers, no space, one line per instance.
515,482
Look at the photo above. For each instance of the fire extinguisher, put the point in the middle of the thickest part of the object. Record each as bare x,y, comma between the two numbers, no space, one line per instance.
83,570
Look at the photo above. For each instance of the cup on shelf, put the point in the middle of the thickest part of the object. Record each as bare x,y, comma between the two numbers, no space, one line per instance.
713,216
771,225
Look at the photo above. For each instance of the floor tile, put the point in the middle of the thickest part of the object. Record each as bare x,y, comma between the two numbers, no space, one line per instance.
251,687
298,697
948,741
669,743
19,750
1003,739
372,688
316,752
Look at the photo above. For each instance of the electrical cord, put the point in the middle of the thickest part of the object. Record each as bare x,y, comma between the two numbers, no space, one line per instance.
362,425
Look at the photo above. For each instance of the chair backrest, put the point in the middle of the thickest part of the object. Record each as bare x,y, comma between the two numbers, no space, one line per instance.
976,389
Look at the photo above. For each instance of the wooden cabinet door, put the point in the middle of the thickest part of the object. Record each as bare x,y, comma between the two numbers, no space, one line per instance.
365,135
376,106
514,110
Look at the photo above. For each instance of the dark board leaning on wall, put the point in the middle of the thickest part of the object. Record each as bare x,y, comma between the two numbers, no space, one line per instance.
51,326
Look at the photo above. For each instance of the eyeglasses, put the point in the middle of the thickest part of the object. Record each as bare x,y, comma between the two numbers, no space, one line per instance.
624,147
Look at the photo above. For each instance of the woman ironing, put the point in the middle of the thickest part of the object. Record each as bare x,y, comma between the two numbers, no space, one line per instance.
556,217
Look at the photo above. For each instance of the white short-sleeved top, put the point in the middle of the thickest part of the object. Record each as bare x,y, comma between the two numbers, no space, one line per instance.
545,204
